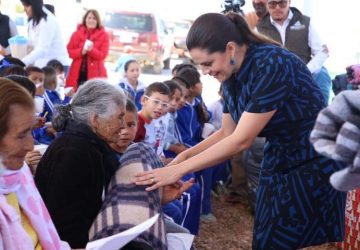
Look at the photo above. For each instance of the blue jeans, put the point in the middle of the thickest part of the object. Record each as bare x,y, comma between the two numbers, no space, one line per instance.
323,80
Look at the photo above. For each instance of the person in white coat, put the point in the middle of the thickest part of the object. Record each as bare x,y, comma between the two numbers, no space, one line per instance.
44,34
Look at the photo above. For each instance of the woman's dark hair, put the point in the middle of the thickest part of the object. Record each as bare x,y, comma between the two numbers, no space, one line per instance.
50,8
127,64
189,75
24,82
37,10
213,31
97,17
173,86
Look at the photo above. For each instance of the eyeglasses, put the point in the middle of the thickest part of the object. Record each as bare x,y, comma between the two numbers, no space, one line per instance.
156,102
282,4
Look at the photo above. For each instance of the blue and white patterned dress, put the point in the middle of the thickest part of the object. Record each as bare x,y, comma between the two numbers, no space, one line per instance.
296,205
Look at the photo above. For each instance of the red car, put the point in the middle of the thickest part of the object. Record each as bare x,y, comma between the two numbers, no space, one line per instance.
142,35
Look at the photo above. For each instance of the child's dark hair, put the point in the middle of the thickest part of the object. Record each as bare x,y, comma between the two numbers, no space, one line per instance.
190,75
31,69
13,70
181,81
181,66
12,60
131,107
173,86
56,64
159,87
127,64
24,82
49,78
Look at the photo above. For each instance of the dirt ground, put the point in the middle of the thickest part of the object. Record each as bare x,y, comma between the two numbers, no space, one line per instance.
232,230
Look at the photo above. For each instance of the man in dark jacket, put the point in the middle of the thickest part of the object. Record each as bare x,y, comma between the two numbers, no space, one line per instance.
288,26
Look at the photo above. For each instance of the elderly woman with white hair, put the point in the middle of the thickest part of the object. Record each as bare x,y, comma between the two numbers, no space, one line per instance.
74,173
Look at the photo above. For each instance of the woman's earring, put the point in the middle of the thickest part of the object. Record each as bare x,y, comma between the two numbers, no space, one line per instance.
232,61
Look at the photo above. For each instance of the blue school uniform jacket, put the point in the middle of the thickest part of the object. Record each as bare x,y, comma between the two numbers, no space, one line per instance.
187,127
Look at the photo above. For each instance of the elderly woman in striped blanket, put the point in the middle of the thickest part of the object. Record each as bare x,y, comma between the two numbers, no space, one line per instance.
127,204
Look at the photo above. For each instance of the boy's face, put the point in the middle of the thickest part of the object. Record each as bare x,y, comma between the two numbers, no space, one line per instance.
175,101
184,98
38,79
127,135
155,105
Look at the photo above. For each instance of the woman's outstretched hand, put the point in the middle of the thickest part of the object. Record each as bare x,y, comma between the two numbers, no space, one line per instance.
178,159
158,177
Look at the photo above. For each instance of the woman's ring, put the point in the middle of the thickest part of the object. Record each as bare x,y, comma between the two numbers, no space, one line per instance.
152,180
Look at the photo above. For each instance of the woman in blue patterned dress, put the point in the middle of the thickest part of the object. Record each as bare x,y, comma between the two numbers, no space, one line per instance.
269,92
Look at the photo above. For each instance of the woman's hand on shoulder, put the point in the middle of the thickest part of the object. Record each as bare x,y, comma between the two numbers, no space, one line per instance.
159,177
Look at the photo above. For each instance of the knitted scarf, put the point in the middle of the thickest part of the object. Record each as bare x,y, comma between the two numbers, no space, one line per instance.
127,205
336,134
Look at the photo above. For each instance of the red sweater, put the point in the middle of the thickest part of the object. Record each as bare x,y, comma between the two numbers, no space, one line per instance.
143,123
95,57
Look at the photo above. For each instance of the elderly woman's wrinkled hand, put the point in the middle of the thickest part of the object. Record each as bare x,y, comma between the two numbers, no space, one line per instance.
32,158
159,177
174,191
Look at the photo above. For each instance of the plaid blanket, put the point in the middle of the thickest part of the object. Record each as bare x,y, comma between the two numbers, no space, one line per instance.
127,205
337,135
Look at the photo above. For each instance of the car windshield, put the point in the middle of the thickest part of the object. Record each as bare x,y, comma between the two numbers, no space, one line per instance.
136,22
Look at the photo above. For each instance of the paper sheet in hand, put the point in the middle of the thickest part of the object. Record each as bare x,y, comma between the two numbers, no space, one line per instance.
119,240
